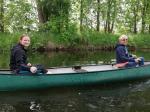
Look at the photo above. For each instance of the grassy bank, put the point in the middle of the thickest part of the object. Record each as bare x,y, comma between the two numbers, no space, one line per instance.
141,41
77,41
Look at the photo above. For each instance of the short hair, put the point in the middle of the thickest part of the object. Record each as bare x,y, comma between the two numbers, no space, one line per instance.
123,37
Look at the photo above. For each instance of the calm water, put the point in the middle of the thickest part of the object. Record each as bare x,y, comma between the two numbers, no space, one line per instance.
118,97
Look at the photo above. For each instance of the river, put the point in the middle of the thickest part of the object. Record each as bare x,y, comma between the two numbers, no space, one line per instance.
116,97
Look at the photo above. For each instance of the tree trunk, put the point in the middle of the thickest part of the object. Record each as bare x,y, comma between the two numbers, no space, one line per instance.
143,16
135,21
149,28
40,12
98,15
108,27
114,15
109,6
2,16
112,26
105,26
81,14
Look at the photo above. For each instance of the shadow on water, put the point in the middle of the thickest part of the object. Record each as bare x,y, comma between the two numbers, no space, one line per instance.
115,97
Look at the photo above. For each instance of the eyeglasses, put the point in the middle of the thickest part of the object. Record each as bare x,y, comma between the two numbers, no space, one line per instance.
124,39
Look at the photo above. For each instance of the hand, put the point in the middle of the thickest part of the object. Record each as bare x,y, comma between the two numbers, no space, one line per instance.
134,56
137,60
29,64
33,69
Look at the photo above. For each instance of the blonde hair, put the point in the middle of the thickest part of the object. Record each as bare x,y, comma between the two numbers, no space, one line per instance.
123,37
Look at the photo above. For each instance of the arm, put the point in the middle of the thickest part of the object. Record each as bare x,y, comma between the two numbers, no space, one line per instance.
122,54
20,61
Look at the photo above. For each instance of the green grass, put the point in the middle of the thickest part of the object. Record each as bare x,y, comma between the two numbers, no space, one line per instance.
100,39
7,40
142,40
77,40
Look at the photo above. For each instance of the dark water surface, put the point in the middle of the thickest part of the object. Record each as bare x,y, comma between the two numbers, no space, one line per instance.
115,97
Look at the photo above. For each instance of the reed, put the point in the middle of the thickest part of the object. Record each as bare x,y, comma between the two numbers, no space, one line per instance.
81,40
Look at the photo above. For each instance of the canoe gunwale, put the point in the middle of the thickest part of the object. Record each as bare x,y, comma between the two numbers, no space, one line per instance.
100,71
9,72
12,82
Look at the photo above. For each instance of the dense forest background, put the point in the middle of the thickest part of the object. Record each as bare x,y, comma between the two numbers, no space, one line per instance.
77,21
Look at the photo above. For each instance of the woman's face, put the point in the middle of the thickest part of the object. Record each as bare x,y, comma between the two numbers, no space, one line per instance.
25,41
124,41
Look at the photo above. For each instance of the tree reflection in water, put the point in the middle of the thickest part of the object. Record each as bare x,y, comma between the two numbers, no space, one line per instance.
35,106
7,108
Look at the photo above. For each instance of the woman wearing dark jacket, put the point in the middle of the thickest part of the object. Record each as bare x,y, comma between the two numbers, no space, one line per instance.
18,58
122,55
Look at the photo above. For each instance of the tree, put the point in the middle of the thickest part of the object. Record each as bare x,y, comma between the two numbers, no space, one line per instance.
41,15
145,14
19,16
110,15
81,14
54,14
98,15
2,15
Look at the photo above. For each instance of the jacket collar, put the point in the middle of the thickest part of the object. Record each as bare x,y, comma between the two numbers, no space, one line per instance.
22,46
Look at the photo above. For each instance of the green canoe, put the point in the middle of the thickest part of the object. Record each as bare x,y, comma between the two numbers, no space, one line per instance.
65,76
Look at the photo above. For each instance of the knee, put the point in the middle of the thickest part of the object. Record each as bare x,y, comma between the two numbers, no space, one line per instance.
141,62
142,58
131,64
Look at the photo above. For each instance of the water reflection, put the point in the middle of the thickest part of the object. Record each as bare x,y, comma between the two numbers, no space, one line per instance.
35,106
69,58
62,58
103,98
7,108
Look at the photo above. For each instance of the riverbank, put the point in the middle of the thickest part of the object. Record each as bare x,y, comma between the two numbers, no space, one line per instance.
90,41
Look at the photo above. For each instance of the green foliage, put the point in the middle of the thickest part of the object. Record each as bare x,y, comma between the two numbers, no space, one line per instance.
67,36
99,38
71,39
142,40
70,36
8,40
62,21
55,15
52,26
40,39
19,16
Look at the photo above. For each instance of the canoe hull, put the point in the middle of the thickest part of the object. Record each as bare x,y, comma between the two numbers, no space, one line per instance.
16,82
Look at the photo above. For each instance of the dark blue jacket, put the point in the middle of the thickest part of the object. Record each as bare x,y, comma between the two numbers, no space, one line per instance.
122,54
18,58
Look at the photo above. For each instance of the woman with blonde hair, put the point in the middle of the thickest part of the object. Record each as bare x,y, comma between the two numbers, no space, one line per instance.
122,55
